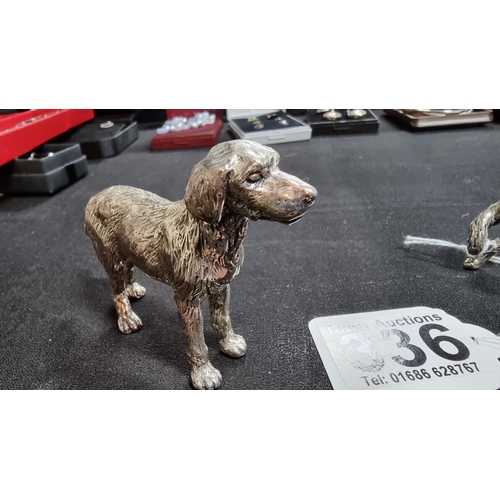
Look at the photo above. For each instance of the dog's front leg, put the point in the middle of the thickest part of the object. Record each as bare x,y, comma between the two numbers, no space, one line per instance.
232,344
203,374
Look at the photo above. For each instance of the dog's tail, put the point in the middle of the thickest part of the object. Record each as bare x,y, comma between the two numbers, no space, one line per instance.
91,211
97,213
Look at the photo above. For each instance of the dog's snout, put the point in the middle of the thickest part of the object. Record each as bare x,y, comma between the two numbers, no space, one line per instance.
309,199
310,195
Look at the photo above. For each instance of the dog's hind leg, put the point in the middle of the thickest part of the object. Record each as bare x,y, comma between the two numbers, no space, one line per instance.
128,321
203,374
232,344
132,288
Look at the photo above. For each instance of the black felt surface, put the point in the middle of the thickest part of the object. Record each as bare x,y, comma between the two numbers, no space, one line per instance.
58,325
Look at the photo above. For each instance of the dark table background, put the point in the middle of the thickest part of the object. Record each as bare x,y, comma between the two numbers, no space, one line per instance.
58,325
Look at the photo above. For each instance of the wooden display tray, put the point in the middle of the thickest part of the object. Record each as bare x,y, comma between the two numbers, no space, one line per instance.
421,120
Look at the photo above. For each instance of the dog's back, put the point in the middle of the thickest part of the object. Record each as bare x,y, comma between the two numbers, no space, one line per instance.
139,227
121,217
114,205
116,201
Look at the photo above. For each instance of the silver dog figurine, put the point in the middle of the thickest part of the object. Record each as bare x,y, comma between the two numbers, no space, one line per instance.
194,245
479,246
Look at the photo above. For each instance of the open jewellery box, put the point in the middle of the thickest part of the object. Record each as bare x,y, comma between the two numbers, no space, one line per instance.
110,133
46,170
420,119
276,126
366,124
20,133
206,136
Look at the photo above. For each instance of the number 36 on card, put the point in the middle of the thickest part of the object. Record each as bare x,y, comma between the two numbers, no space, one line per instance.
413,348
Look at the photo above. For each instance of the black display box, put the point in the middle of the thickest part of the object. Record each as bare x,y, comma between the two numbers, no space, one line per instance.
44,173
107,135
367,124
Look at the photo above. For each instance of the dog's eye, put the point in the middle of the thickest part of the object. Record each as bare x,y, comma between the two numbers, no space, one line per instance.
255,177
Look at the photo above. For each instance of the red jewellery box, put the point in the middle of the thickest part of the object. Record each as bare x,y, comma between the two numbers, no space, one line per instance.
22,132
197,138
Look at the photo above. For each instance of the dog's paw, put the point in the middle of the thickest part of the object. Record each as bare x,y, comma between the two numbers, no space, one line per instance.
130,323
135,290
206,377
234,346
474,263
470,263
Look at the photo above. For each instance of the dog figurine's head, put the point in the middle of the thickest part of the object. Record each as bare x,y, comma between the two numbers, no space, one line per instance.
243,177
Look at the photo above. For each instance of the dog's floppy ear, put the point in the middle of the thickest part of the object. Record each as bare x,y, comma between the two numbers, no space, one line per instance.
207,183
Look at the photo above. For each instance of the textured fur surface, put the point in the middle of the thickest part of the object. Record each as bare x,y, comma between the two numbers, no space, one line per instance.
194,245
479,246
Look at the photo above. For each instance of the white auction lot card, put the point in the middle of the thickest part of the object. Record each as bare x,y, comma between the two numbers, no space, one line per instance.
410,348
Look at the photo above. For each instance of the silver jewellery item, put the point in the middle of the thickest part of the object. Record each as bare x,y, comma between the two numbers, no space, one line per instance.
36,156
332,115
356,113
257,124
322,110
179,123
107,124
